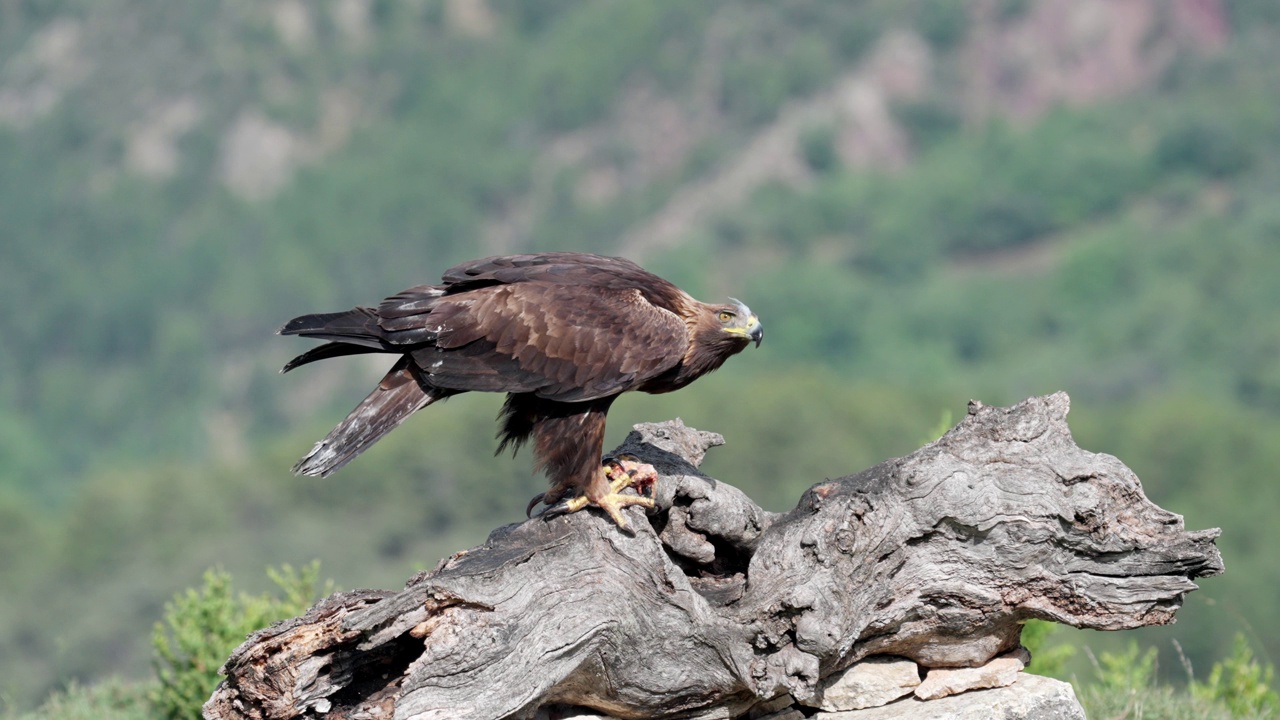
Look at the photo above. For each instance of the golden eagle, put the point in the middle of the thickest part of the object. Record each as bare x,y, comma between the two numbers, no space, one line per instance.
563,334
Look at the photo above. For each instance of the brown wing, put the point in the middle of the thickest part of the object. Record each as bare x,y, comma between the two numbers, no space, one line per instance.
556,266
400,316
564,343
563,268
567,326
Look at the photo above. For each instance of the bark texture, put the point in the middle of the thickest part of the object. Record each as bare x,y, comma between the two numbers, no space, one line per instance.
710,605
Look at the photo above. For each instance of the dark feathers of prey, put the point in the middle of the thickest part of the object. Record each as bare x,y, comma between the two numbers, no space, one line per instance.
563,334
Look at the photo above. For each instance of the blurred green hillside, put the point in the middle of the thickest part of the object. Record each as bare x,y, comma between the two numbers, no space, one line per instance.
925,201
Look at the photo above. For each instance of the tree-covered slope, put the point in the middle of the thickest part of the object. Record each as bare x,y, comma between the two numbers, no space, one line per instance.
924,203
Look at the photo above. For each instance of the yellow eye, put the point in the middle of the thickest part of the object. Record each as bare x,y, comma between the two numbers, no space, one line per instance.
725,316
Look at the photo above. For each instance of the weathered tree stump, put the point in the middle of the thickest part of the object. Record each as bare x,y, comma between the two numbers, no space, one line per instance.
714,605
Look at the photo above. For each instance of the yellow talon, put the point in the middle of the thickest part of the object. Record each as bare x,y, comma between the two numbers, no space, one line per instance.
621,474
612,504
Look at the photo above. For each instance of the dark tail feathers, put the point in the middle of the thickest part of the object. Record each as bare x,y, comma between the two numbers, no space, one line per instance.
324,352
398,396
359,325
350,333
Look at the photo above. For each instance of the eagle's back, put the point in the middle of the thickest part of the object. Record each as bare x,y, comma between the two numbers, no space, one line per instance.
566,269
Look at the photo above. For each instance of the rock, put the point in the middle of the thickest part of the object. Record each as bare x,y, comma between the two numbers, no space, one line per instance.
1032,697
768,708
1002,671
788,714
563,712
873,682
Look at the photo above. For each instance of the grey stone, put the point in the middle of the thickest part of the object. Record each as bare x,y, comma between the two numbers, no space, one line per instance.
561,712
767,709
1032,697
1001,671
870,683
788,714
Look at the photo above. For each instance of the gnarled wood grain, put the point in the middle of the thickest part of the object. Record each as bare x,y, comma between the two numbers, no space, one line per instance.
714,605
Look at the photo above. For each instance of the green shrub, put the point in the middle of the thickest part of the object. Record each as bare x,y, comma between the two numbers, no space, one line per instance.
1128,670
110,700
1209,148
1241,683
202,627
928,122
1150,703
1238,688
1046,658
818,148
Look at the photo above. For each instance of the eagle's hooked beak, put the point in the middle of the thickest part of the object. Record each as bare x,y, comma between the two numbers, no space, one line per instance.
755,331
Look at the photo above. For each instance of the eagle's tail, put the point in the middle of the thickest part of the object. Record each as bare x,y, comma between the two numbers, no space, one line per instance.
358,325
397,396
324,352
351,332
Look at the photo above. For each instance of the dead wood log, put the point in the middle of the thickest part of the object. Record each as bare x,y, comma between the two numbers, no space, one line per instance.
714,605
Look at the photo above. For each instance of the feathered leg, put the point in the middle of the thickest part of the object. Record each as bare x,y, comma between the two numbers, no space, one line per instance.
568,441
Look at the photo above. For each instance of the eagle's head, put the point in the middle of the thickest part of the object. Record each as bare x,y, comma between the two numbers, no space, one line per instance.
716,333
730,327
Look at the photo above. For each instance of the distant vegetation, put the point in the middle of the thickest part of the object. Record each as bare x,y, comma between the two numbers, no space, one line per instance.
1126,251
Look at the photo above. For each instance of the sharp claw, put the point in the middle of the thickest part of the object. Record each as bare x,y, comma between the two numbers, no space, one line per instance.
528,510
616,514
554,511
